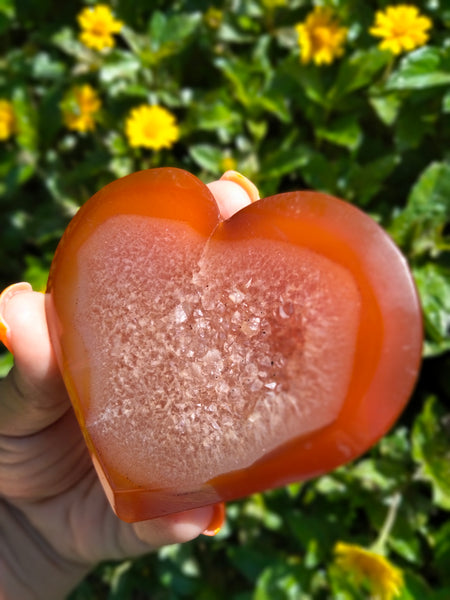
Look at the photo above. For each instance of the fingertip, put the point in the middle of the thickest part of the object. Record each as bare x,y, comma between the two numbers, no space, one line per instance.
217,520
233,192
25,331
229,196
192,523
244,182
5,298
181,527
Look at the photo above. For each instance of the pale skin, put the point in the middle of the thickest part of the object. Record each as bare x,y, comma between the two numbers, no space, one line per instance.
55,521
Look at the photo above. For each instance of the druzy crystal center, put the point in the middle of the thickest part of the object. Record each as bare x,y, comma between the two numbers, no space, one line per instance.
206,355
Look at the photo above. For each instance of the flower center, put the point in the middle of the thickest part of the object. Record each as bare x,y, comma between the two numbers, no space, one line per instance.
99,28
321,37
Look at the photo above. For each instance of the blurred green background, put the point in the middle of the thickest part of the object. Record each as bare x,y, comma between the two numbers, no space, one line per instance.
239,87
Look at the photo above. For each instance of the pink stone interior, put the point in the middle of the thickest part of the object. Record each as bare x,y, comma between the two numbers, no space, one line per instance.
204,357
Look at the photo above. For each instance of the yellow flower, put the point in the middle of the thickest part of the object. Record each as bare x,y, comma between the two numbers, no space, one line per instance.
151,127
98,26
7,120
402,28
228,163
321,37
384,580
79,108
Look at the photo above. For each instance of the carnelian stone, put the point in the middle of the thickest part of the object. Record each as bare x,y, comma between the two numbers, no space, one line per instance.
209,359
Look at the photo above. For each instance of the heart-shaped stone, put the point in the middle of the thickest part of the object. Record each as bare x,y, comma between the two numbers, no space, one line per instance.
207,359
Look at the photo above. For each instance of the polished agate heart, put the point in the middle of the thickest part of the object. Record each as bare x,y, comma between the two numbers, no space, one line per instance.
208,359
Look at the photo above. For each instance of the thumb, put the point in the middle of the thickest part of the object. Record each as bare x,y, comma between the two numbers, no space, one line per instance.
32,396
232,192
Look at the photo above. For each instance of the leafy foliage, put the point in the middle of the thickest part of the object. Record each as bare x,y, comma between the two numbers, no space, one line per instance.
371,127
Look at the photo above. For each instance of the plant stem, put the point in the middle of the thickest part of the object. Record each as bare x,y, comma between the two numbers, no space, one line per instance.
380,543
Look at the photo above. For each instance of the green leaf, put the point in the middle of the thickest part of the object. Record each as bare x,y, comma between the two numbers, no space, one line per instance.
7,8
357,72
313,85
67,42
320,174
377,474
19,174
441,543
178,571
275,103
396,446
414,122
26,116
284,161
423,68
207,157
279,582
6,362
446,103
431,450
362,182
119,65
118,578
216,116
46,67
433,283
441,594
308,529
230,33
7,14
253,87
250,561
121,166
238,74
386,107
420,227
404,541
416,588
168,34
36,273
344,131
256,508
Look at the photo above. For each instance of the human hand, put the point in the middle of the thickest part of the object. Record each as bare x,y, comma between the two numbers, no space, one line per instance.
56,521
